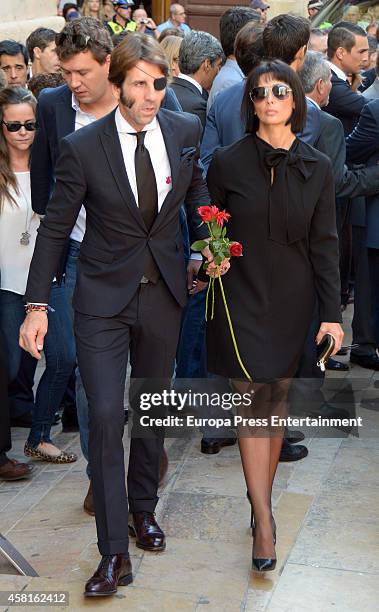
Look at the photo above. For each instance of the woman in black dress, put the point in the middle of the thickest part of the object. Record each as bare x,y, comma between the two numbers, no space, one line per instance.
280,194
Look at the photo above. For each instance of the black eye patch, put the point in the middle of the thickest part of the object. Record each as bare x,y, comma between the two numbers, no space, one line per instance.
160,83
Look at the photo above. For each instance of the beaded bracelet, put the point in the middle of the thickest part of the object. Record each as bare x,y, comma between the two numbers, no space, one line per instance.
36,308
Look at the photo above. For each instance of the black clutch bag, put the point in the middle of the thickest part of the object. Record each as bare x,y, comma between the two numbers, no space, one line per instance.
325,349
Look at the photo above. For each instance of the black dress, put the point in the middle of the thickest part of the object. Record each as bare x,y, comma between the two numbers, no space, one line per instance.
290,254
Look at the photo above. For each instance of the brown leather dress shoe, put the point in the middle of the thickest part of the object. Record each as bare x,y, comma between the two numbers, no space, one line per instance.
113,571
14,470
148,534
88,501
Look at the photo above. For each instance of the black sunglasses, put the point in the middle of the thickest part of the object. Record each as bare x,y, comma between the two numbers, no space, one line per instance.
280,92
15,126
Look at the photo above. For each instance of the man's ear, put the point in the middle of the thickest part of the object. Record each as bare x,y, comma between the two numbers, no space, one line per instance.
340,53
37,53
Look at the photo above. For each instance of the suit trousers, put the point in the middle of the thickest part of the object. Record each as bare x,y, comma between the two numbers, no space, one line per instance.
149,328
363,333
5,430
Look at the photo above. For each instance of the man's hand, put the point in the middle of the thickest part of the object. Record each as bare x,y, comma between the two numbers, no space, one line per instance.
194,285
214,269
32,333
335,330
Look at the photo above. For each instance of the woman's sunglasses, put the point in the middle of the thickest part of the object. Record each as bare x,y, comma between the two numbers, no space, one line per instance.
15,126
280,92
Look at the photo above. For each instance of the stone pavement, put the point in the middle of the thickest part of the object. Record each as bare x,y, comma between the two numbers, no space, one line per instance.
325,508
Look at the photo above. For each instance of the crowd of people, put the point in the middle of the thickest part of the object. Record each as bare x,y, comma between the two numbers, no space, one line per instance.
113,132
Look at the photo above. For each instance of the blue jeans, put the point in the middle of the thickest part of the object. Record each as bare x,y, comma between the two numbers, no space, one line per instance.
81,398
59,353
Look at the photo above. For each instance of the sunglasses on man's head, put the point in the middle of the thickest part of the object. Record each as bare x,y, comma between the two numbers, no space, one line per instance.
79,41
280,92
15,126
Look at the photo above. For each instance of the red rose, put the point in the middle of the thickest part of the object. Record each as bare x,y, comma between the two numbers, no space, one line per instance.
221,217
208,213
235,249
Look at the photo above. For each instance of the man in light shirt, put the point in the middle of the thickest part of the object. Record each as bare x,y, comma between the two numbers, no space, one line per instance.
177,19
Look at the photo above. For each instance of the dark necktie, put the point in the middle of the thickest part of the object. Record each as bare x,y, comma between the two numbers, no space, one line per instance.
146,183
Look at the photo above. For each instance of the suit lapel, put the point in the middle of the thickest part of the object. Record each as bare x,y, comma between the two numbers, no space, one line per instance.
65,115
112,148
173,153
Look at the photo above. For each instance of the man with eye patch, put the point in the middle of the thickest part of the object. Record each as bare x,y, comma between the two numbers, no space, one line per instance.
132,169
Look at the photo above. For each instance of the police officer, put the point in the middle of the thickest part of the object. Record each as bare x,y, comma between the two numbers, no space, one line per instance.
122,21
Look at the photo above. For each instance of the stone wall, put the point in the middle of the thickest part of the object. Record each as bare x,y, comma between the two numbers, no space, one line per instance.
20,17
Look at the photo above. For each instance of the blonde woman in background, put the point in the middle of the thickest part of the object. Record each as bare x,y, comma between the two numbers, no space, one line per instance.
171,46
93,8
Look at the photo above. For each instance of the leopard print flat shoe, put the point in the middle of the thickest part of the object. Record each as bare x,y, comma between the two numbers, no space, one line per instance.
63,457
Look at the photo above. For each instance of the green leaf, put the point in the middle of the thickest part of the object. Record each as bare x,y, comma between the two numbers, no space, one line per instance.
218,259
216,230
199,245
223,232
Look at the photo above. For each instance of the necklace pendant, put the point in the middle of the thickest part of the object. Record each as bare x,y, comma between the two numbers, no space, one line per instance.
25,238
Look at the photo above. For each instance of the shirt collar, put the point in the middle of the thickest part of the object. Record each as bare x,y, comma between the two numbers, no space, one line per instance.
233,64
338,72
123,127
313,102
75,105
188,78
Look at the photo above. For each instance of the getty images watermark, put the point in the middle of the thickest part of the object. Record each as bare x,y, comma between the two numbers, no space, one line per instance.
204,405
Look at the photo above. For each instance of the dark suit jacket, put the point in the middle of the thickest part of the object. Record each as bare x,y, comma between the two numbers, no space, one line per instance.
225,125
56,119
190,98
91,171
362,146
344,103
348,183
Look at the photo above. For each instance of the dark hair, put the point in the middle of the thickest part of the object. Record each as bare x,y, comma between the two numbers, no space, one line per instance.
11,47
343,35
67,7
171,32
117,38
282,72
284,36
230,24
248,47
99,39
130,51
372,44
8,96
44,80
41,37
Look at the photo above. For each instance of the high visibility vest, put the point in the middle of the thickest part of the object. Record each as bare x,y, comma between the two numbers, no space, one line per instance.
116,28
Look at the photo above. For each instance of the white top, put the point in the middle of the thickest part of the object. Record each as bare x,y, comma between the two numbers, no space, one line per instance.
155,144
81,119
187,77
337,71
15,219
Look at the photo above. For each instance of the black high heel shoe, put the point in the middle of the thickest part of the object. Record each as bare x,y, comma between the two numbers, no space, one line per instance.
252,520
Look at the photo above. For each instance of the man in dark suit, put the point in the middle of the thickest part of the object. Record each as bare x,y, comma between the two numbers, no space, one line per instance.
132,170
200,59
87,96
286,38
363,147
347,54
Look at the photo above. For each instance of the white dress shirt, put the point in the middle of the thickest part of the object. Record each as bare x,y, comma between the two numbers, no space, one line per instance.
188,78
81,119
337,71
155,144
